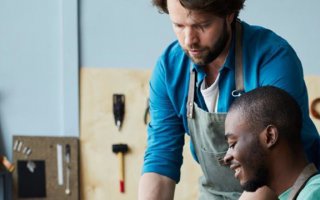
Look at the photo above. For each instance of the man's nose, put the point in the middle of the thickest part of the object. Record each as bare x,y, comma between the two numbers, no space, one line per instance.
227,158
191,37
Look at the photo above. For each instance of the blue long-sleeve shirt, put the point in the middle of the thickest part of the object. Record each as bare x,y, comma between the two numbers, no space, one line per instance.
267,60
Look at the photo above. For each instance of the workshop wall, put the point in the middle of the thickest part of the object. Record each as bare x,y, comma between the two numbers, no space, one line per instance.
38,71
132,34
41,42
99,165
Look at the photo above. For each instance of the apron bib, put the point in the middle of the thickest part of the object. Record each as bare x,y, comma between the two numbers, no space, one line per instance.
207,136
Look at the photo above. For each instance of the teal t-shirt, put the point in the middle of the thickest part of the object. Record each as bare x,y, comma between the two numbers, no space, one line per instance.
311,190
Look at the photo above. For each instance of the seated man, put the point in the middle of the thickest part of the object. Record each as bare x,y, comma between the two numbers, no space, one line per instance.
262,129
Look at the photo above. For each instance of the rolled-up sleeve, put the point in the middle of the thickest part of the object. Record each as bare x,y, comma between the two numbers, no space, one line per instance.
165,130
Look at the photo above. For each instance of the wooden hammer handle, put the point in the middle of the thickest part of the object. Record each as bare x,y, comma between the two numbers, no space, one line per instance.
121,171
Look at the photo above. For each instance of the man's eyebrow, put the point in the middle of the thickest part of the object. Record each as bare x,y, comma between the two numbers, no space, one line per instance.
203,21
227,135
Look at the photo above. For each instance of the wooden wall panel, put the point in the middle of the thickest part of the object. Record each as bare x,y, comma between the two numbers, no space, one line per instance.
99,165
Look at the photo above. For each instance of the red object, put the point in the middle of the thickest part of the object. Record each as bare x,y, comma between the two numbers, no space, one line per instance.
122,186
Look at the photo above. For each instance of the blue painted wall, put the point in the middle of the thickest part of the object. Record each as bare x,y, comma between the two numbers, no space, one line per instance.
133,34
39,66
38,69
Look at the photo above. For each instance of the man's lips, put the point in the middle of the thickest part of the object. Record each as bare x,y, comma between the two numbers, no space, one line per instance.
236,168
195,51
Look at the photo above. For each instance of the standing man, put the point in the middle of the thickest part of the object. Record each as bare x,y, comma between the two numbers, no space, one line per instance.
215,59
263,130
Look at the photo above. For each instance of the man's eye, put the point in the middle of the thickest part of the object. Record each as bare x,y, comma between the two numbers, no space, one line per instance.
231,146
178,26
206,25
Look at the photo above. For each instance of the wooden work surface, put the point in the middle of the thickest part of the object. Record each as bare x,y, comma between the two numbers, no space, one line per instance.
99,165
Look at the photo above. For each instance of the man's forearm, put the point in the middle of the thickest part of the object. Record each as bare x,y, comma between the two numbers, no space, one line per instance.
154,186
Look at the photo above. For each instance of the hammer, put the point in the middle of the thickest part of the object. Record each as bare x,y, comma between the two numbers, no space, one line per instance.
120,149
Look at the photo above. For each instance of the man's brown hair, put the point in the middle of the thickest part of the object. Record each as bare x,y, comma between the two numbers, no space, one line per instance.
220,8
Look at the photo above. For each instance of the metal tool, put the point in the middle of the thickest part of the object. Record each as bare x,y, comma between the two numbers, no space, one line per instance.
31,166
118,109
68,191
120,150
59,164
68,168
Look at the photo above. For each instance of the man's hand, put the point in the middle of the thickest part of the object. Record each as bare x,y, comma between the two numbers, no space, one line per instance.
263,193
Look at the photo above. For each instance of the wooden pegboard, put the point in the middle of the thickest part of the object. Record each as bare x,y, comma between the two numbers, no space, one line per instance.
43,150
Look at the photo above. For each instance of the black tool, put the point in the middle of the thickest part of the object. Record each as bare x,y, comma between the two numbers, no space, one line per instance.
68,168
118,109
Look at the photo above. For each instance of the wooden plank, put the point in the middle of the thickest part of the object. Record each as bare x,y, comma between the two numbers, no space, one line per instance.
99,165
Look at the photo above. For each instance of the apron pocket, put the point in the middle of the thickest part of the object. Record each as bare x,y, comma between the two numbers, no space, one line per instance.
217,175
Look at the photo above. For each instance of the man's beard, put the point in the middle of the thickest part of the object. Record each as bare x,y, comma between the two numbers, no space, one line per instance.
260,180
212,53
256,163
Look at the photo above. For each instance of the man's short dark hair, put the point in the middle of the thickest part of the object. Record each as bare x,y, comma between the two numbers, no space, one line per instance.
270,105
220,8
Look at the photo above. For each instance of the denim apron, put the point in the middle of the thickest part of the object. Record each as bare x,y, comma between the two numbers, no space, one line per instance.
207,136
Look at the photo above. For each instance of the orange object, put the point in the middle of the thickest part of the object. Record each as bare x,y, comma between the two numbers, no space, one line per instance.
7,164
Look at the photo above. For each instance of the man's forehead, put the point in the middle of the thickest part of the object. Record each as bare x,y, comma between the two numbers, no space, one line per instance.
233,115
234,122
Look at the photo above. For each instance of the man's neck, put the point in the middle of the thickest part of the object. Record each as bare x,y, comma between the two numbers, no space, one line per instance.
285,172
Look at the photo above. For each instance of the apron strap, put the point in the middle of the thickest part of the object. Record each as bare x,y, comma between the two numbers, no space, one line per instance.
309,171
238,73
238,61
192,82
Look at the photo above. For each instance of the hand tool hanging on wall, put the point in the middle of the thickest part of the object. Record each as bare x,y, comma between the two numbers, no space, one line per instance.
31,165
68,168
60,178
118,109
120,150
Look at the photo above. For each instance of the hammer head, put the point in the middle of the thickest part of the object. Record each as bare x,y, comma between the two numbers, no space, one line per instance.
119,148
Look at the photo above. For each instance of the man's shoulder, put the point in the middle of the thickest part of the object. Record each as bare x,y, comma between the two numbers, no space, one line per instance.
311,189
173,57
314,181
259,36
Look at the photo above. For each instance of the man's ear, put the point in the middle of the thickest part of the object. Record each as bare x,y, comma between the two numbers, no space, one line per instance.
270,136
229,18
